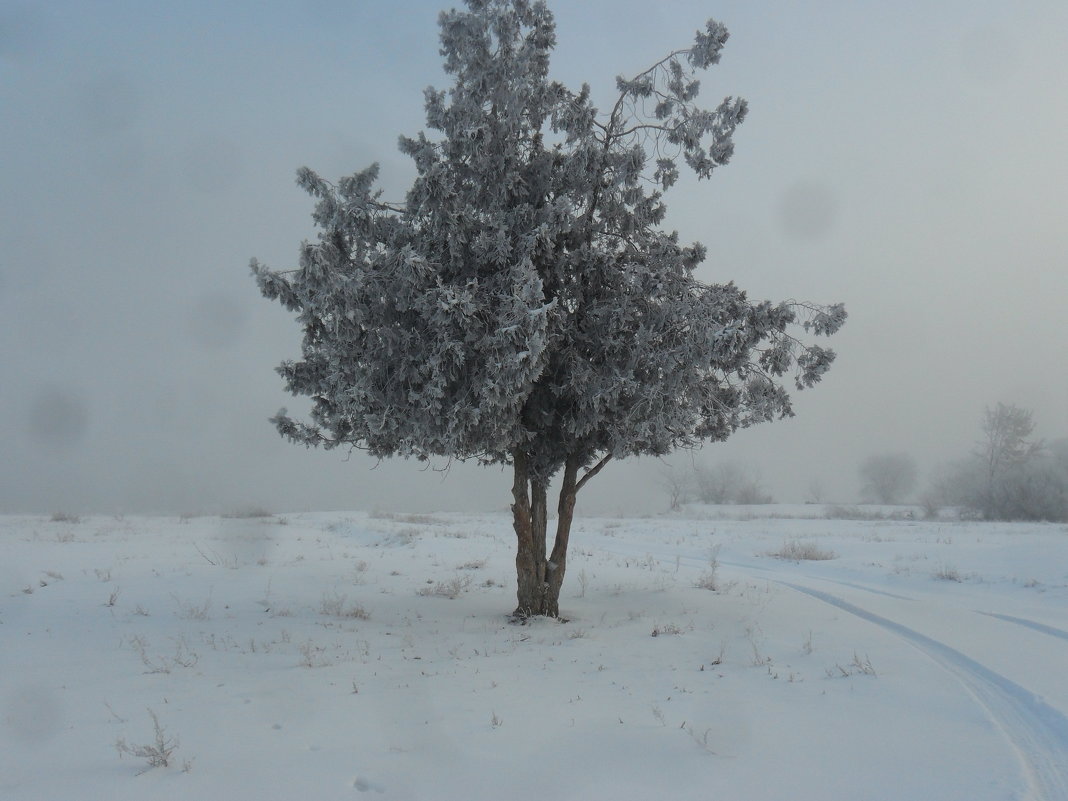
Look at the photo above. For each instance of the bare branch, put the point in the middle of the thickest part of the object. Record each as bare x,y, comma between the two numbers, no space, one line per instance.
592,472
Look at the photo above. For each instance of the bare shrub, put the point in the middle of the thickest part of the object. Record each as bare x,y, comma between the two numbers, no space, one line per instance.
412,519
797,551
678,485
751,493
65,517
336,605
702,739
157,753
945,572
857,666
661,629
584,583
849,512
183,656
709,579
187,610
249,513
729,483
450,589
816,492
216,559
931,503
404,536
313,656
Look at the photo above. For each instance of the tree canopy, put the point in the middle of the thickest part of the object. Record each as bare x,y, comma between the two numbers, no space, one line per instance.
522,305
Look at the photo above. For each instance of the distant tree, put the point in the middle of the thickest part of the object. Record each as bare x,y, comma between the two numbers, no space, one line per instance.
751,492
1005,443
716,484
1036,489
677,483
1009,476
888,477
816,492
522,306
728,482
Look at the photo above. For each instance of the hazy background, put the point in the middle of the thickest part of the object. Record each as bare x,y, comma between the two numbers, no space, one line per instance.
906,158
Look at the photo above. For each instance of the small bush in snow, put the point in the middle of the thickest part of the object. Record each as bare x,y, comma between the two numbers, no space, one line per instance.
447,589
335,605
249,513
661,629
158,753
187,610
795,551
313,656
709,579
947,573
857,666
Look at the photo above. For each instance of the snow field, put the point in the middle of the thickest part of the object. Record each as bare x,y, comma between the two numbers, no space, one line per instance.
334,655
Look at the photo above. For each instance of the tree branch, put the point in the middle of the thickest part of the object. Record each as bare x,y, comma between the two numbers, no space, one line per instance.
592,472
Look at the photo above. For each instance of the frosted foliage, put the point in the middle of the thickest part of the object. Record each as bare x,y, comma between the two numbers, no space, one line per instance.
522,298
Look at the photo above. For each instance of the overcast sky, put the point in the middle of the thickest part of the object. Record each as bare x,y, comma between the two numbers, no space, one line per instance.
906,158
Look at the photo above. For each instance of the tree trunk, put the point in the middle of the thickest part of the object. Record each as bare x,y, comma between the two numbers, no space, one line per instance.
529,518
557,565
539,580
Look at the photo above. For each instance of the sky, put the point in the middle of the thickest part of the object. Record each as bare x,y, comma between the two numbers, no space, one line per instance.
906,159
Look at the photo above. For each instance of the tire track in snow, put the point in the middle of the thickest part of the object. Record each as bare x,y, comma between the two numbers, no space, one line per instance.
1038,732
872,590
1031,624
1052,631
860,587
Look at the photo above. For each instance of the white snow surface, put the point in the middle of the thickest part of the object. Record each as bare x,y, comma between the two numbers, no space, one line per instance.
319,656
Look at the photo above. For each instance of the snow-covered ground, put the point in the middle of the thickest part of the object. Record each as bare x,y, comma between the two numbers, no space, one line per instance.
343,656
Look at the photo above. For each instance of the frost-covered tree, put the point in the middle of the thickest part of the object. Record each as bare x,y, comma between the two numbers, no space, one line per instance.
522,305
888,477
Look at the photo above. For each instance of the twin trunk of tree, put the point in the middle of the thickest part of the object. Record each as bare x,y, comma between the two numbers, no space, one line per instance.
539,578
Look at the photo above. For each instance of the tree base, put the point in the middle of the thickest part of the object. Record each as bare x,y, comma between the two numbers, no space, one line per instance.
521,618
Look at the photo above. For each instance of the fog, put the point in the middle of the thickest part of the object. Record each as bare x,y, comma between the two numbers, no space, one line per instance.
907,159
